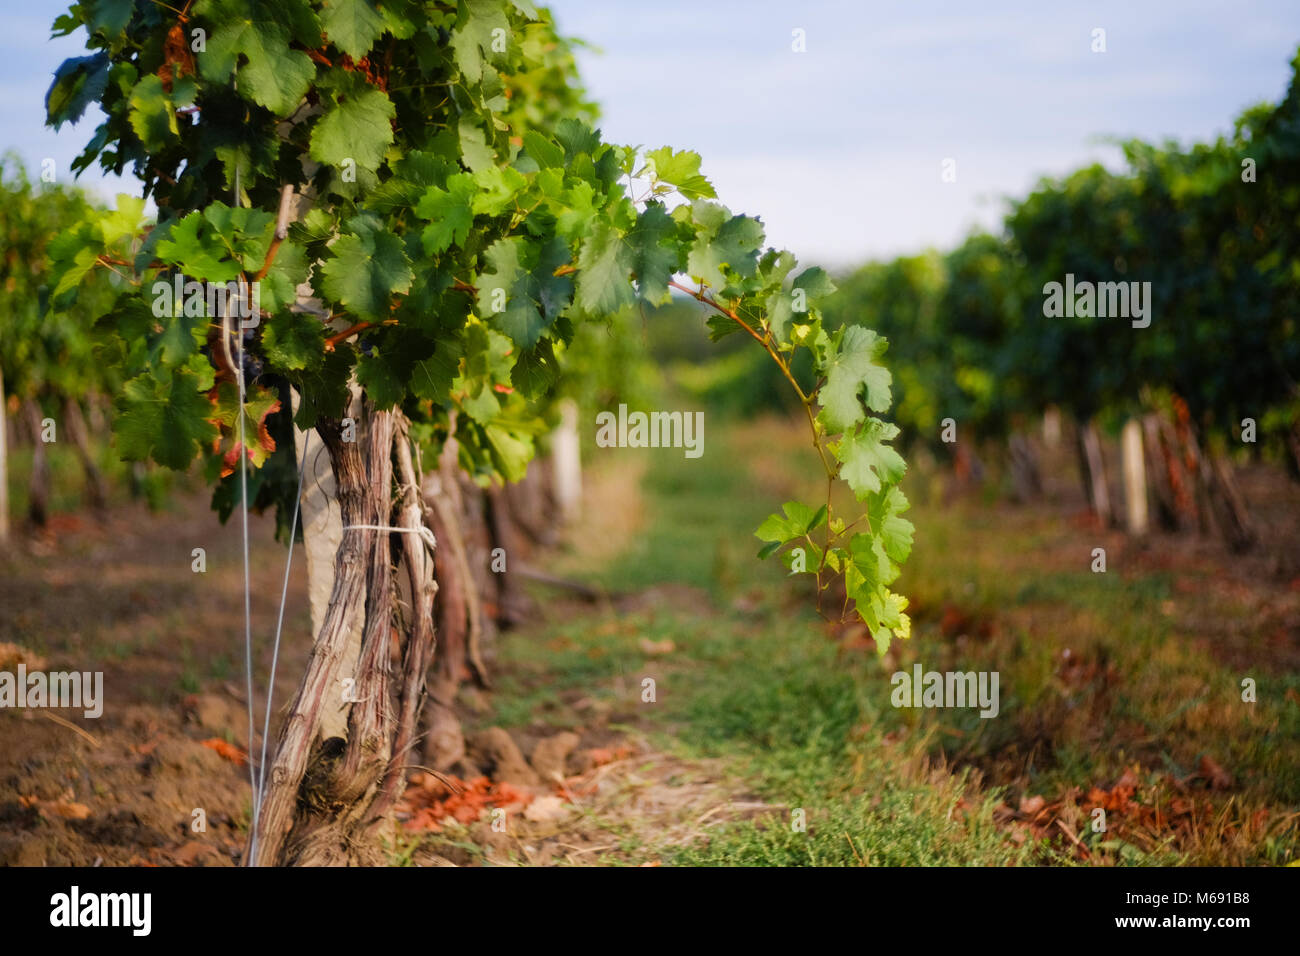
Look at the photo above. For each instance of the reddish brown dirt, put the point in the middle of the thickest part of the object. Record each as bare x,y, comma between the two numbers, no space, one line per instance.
120,596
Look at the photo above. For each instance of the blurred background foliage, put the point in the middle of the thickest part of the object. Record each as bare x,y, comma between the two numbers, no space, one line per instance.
1212,226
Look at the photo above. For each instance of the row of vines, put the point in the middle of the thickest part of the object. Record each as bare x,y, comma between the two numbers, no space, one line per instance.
390,240
1209,375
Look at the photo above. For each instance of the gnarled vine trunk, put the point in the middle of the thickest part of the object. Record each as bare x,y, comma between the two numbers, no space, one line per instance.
335,778
1026,476
1093,470
326,795
1163,473
75,424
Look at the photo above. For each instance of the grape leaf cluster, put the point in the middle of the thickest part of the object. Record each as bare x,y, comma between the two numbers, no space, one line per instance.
461,218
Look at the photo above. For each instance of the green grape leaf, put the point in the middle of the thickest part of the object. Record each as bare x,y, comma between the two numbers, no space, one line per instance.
883,612
815,283
432,378
379,375
734,245
720,326
511,452
163,420
449,211
546,152
474,148
273,75
122,222
652,261
497,189
294,341
864,574
895,533
487,363
180,338
681,169
497,283
849,370
783,307
576,137
535,370
359,128
324,390
368,266
351,25
603,265
78,82
799,520
195,247
578,210
481,404
244,232
522,301
472,40
412,176
808,553
152,115
278,289
71,264
109,18
867,462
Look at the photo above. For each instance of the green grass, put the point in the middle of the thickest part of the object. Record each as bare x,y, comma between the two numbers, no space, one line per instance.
762,689
68,487
801,729
1170,700
699,525
802,726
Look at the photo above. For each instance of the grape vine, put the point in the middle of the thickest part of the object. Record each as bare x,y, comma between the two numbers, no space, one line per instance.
458,219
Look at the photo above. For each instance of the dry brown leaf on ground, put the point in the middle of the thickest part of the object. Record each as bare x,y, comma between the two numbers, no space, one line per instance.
227,750
11,655
426,809
1219,779
1029,806
547,809
66,809
656,648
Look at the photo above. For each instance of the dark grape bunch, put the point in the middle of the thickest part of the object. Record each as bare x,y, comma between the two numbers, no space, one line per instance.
252,363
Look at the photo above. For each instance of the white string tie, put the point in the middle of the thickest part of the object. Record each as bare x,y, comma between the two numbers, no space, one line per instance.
429,540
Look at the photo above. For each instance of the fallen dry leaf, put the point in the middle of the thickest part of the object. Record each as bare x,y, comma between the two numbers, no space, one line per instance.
1030,806
1219,778
227,750
11,655
192,852
428,809
66,809
546,810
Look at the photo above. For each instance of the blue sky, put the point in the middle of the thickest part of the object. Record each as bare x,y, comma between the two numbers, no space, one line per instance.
838,148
